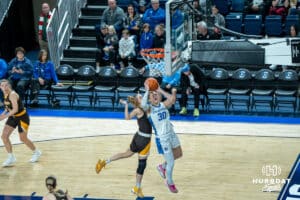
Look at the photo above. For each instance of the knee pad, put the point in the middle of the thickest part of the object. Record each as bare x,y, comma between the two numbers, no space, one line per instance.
141,166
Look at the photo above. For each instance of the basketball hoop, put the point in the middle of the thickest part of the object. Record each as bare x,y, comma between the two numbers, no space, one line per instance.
153,55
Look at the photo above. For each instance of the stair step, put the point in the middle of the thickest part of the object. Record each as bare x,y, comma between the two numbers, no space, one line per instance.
80,52
78,62
92,11
83,42
89,20
97,2
87,31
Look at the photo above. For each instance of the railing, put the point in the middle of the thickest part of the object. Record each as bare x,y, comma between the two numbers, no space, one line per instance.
4,7
59,29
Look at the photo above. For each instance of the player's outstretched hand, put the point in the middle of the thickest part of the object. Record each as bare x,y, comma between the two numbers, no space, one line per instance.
123,102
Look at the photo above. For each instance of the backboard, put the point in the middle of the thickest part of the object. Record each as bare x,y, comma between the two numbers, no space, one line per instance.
179,29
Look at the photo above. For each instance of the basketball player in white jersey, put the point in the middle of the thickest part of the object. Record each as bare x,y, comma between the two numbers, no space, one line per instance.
166,139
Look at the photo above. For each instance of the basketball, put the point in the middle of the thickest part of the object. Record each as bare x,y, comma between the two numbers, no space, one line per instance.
152,83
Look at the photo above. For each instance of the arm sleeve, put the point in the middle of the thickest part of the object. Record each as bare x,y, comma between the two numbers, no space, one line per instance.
145,104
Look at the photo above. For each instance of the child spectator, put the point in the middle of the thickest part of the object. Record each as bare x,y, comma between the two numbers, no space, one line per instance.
126,49
111,46
146,40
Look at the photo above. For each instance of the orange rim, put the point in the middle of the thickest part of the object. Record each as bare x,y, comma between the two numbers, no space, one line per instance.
153,53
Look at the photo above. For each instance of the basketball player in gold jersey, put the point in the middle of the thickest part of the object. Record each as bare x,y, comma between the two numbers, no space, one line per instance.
140,143
16,116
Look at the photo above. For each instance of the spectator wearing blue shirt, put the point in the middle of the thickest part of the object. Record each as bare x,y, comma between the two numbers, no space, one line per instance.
154,15
146,40
169,82
43,76
3,68
20,72
3,74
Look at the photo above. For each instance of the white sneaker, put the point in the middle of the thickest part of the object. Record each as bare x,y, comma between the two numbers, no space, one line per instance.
9,161
35,156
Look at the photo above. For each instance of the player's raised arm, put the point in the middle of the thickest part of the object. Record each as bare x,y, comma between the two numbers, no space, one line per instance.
170,98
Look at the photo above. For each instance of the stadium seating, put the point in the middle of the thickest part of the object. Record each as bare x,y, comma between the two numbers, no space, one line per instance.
65,74
273,26
217,88
253,24
84,83
128,83
286,92
105,86
240,87
234,22
262,94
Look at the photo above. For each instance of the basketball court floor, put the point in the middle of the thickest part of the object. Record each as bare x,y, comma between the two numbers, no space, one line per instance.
221,160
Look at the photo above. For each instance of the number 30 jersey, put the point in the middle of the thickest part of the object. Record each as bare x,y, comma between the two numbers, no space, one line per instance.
160,119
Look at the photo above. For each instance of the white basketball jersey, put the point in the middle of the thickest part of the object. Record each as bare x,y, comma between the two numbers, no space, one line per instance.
160,119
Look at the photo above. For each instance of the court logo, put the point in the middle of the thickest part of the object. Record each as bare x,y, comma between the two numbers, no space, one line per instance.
291,189
269,178
271,170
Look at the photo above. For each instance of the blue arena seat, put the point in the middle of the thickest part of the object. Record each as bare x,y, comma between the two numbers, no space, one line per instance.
253,24
273,25
234,22
290,20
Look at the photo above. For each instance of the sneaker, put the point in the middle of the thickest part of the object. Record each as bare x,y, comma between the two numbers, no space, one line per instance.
137,191
161,171
196,112
9,161
183,111
172,188
35,156
100,164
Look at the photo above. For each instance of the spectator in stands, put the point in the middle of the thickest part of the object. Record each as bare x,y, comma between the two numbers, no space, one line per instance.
275,9
190,82
126,49
133,22
3,74
257,7
154,15
3,68
294,31
146,40
218,18
159,37
111,46
198,16
203,33
142,6
54,194
293,9
42,25
43,76
20,71
100,43
113,16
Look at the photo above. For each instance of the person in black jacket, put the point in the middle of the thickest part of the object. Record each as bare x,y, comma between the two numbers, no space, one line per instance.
100,43
191,82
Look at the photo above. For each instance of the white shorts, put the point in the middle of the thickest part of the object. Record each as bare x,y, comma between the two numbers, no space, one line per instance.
166,144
